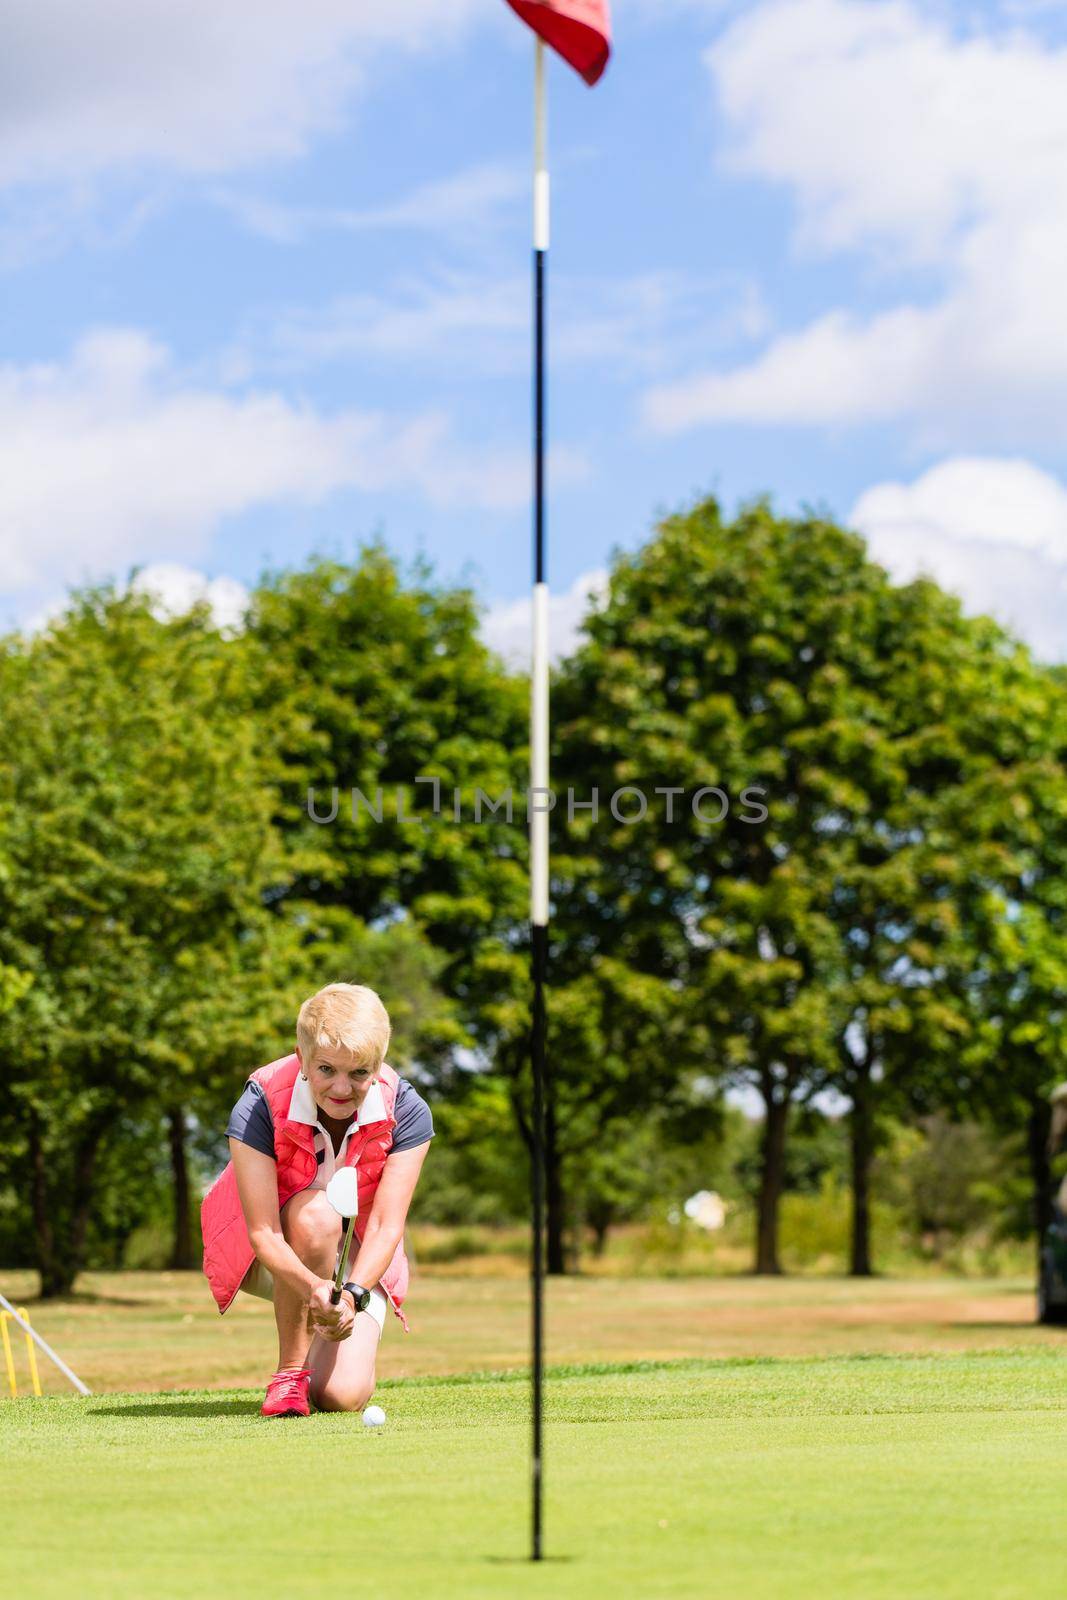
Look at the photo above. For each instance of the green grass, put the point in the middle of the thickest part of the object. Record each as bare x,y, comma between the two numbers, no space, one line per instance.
857,1478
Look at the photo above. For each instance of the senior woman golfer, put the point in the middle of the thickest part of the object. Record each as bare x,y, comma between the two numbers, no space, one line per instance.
268,1226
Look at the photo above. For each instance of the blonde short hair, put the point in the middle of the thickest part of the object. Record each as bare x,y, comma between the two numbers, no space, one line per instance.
344,1016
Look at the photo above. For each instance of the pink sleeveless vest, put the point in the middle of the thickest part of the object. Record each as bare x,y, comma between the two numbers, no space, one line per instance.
228,1252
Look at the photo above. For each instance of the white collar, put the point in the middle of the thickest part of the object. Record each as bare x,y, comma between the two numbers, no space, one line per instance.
302,1107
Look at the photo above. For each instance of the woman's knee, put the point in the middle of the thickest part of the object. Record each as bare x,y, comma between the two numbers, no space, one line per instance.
309,1222
342,1396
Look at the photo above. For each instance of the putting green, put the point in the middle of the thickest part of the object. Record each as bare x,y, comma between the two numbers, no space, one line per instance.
886,1476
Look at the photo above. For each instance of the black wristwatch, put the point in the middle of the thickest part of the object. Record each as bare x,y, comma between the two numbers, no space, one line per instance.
360,1296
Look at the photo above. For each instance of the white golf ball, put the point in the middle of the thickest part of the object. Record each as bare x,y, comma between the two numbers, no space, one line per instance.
373,1417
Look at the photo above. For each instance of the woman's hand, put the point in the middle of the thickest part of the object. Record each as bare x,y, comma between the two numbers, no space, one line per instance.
333,1322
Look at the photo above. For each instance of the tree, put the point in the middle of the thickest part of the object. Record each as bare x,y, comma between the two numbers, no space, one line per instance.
385,681
895,739
728,656
949,1179
948,739
135,805
663,1156
1011,970
477,1174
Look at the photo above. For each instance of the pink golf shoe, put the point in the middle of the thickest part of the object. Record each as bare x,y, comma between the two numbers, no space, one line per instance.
287,1393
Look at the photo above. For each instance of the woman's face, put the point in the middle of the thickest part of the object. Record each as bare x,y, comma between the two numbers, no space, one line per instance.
338,1081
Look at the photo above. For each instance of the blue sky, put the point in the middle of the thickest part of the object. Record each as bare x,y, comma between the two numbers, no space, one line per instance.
266,289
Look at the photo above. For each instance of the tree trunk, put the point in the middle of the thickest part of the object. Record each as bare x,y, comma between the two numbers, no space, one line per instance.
772,1182
57,1280
600,1222
43,1232
861,1138
85,1154
59,1268
555,1210
181,1255
1037,1138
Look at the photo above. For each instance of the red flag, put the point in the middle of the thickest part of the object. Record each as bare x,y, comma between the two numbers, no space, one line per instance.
578,30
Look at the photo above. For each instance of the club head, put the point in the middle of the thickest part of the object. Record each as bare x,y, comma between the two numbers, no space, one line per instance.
343,1193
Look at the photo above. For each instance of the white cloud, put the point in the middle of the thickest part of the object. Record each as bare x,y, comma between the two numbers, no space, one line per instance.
465,203
114,457
654,11
38,224
912,148
507,625
992,531
191,85
836,368
928,145
174,589
481,322
455,316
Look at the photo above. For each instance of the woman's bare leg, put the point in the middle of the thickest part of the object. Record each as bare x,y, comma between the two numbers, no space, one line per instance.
312,1229
342,1372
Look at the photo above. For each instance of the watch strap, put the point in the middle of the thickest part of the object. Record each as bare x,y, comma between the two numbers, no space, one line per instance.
360,1295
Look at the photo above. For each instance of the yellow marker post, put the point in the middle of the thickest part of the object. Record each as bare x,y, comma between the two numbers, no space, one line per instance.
31,1355
21,1320
9,1356
9,1360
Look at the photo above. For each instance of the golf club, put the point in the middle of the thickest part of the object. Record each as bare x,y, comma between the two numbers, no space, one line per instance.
342,1192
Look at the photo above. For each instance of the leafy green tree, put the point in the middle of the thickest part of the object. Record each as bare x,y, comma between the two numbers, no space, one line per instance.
636,1165
135,806
388,682
948,739
478,1172
1012,967
732,656
951,1179
830,945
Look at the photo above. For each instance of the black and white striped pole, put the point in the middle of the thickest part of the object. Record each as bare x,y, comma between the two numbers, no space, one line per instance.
580,32
539,798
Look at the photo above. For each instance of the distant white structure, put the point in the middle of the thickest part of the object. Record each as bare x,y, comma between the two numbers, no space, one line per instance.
707,1209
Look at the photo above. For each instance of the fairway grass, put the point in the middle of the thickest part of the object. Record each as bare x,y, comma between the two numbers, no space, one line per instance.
888,1476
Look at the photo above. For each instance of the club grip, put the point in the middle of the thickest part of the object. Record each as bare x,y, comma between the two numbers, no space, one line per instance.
335,1295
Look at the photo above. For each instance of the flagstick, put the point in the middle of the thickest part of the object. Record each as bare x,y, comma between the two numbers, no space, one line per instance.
539,781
